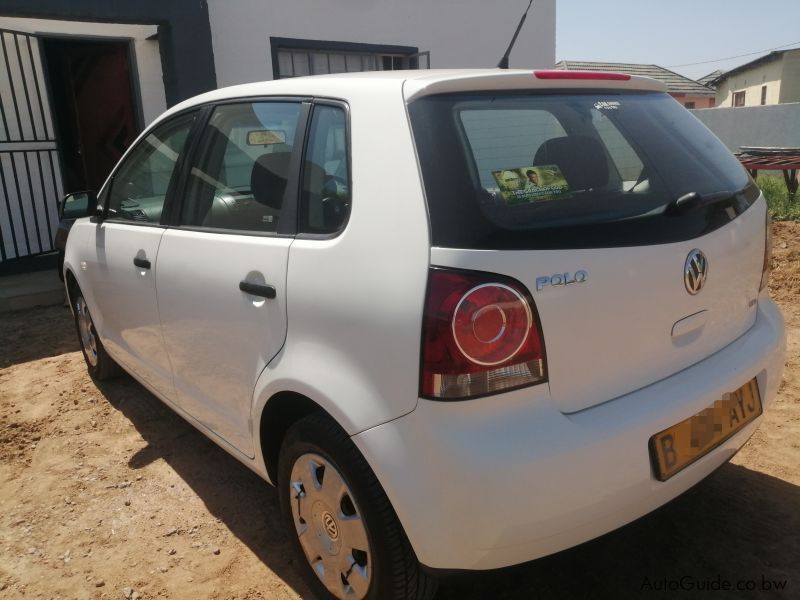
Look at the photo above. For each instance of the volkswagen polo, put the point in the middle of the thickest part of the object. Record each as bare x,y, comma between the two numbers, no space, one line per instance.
460,319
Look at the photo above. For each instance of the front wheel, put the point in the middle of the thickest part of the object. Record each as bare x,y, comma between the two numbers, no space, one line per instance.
342,524
99,364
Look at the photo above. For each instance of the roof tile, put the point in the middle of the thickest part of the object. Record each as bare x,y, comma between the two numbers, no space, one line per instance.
676,84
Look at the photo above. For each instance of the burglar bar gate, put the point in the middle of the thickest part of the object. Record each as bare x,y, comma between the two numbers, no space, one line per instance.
30,172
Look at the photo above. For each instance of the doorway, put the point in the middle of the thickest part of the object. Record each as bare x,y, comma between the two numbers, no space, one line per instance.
97,115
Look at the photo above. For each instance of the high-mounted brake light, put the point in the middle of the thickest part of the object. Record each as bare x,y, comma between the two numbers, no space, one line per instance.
480,336
595,75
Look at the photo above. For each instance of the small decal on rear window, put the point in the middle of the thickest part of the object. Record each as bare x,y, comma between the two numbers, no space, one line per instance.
607,105
523,185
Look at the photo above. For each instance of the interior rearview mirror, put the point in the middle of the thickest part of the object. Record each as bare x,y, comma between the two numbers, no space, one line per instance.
266,137
79,204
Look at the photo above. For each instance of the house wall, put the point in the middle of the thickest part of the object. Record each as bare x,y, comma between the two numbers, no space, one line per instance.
790,86
175,64
477,33
187,62
751,81
146,52
699,101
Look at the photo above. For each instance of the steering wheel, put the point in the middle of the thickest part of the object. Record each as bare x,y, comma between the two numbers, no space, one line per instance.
335,202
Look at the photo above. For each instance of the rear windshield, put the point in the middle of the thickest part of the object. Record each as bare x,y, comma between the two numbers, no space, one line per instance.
529,170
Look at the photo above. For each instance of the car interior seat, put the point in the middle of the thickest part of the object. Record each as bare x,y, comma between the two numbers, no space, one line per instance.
581,159
269,177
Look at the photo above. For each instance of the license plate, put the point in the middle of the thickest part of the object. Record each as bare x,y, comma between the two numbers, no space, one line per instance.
680,445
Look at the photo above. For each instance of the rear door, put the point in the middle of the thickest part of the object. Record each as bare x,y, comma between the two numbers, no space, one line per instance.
222,270
573,195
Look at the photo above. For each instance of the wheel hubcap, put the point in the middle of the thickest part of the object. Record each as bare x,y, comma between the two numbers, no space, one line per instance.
330,528
86,329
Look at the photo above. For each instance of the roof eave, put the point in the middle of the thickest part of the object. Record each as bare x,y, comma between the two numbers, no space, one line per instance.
774,55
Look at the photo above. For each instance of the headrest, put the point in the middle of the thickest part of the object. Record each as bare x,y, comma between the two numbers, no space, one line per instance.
582,160
269,177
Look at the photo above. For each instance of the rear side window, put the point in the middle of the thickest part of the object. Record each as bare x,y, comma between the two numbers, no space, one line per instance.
241,173
532,170
325,201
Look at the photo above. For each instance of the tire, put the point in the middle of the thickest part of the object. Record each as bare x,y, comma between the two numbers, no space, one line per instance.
387,568
61,265
99,364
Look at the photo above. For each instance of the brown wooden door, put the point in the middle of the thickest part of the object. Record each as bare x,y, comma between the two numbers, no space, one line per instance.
95,84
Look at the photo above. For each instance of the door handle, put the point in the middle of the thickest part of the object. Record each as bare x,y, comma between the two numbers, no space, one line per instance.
142,263
257,289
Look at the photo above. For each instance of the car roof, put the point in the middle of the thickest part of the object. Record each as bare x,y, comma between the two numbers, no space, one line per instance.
413,84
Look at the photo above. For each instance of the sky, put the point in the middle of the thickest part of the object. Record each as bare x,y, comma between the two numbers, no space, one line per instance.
675,33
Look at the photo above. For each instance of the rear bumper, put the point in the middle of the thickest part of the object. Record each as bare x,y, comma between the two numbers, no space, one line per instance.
501,480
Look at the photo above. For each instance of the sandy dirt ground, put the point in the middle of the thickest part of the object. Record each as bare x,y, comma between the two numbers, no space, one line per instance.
106,493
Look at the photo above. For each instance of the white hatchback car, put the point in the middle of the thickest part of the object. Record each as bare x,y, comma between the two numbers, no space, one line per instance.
461,319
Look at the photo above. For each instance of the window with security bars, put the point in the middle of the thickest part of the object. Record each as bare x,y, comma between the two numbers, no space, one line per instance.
297,62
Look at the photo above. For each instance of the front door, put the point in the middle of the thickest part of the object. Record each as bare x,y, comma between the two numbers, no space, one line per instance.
122,263
222,274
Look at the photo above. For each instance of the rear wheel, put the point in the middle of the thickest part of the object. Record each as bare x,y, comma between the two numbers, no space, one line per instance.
342,524
100,365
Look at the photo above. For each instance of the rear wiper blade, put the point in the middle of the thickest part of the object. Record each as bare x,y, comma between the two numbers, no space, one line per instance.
693,201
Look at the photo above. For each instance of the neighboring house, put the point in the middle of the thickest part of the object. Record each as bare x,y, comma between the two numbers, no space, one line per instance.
770,79
709,79
80,79
687,91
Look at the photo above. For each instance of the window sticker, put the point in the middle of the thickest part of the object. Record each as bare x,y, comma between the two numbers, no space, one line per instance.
607,105
524,185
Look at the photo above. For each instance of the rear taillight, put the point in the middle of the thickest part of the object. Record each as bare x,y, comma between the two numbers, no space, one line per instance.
767,254
480,336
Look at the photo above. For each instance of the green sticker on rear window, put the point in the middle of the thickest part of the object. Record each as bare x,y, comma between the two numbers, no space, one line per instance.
523,185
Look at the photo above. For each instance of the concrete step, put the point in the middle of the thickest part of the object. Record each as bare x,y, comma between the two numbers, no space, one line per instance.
26,290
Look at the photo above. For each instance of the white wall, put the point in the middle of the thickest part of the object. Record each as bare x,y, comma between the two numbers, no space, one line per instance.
458,33
148,56
790,86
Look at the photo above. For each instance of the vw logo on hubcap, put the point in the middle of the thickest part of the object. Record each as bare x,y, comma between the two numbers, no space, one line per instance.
329,523
695,271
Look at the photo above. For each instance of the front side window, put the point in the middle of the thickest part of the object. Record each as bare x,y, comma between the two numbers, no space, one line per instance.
139,187
240,176
325,202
